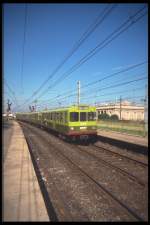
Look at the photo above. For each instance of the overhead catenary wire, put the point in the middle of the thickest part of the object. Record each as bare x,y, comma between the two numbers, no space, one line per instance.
104,78
100,46
90,103
120,32
12,92
128,68
103,88
122,98
112,93
10,96
99,89
123,83
101,95
85,35
93,90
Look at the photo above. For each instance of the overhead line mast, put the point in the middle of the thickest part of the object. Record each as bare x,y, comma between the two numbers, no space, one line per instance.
104,88
78,93
97,81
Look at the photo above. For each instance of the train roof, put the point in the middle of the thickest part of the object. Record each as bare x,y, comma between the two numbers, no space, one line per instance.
74,107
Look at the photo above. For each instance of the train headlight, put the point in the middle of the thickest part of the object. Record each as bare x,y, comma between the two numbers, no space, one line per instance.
71,128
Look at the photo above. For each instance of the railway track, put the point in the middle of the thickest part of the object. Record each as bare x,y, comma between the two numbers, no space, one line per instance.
58,199
133,215
129,175
121,155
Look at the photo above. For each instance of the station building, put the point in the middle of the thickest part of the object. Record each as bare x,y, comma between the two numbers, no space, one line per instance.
124,110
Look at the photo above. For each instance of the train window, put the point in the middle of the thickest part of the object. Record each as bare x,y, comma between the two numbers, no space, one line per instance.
61,117
57,118
50,116
74,116
82,116
54,116
91,116
65,117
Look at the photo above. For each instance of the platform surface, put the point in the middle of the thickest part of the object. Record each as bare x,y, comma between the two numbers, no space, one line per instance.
22,197
143,141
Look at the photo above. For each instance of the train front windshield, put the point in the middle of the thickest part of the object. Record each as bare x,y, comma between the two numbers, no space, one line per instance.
74,117
84,116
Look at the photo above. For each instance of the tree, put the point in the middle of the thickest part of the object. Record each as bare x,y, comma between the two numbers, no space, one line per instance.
104,116
114,117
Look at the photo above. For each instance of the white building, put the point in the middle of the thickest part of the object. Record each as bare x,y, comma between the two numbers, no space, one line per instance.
124,111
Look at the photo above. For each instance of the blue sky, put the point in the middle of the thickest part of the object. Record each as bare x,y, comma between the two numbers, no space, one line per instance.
51,32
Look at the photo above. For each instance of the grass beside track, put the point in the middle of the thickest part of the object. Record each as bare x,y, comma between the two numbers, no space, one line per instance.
134,128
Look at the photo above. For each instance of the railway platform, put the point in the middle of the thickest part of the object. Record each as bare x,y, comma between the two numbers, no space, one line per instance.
22,197
137,140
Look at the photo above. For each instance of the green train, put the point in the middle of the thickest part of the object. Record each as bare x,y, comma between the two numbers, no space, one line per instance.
74,122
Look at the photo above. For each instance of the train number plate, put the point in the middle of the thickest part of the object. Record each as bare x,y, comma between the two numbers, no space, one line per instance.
83,128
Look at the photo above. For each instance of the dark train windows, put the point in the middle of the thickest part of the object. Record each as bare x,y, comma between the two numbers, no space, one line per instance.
56,116
61,117
50,115
82,116
53,115
74,116
40,116
65,117
91,116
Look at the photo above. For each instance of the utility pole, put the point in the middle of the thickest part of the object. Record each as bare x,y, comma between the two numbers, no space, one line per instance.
8,109
120,107
9,106
35,101
116,101
78,93
30,108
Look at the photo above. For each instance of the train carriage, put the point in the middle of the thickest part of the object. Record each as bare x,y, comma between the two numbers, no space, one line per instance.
74,122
